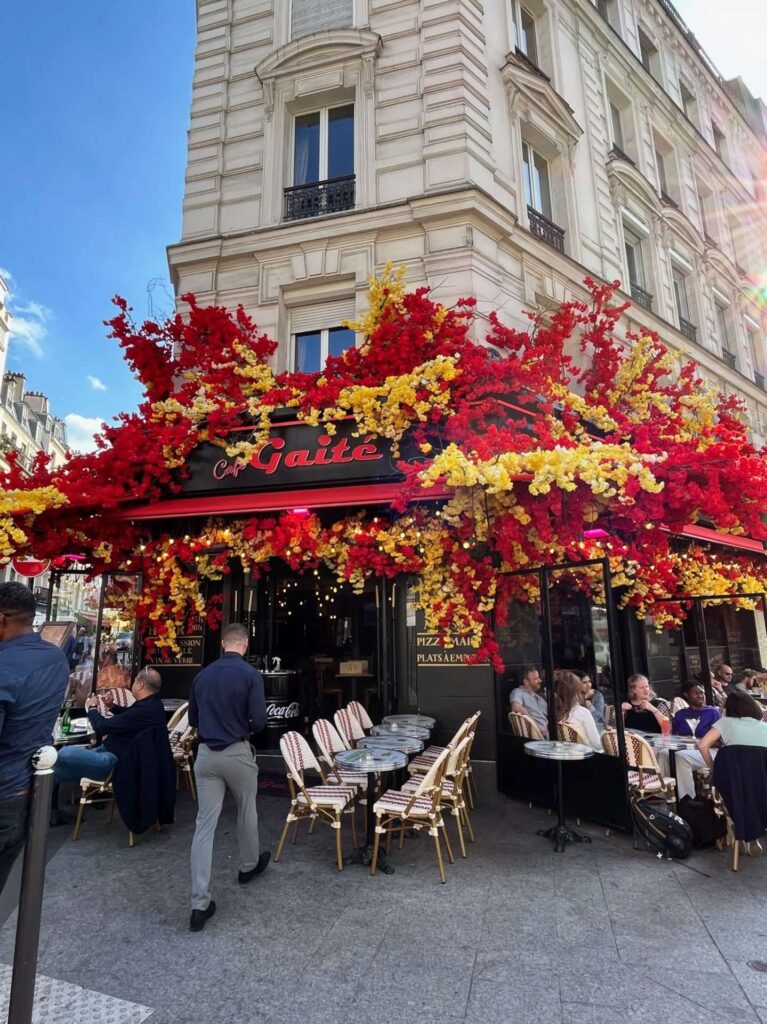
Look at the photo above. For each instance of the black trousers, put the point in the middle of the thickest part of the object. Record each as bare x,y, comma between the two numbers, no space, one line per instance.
14,811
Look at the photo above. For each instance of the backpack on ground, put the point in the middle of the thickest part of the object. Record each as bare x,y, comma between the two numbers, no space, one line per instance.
661,829
706,825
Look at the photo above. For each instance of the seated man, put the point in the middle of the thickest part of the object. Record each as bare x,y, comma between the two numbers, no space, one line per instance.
699,715
76,762
525,699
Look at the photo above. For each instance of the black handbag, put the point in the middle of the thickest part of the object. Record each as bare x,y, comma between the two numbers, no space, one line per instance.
661,829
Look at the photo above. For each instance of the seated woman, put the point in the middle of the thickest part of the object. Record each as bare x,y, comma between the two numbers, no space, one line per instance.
593,701
640,711
742,726
570,708
698,715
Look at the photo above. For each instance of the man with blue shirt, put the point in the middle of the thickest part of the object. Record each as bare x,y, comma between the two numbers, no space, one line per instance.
526,700
34,676
226,705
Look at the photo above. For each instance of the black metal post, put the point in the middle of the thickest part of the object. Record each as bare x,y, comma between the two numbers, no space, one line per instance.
547,655
383,667
617,670
31,897
700,631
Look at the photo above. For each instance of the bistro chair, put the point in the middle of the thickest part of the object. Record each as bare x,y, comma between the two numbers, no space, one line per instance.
330,743
678,704
569,733
609,716
181,743
348,727
426,759
93,791
314,803
645,776
360,713
524,726
419,809
180,718
453,788
113,696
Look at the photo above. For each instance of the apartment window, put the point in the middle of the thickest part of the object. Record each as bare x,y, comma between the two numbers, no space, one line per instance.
720,142
312,348
525,39
649,55
607,9
755,350
723,335
689,103
323,163
536,175
308,16
665,164
617,127
660,163
636,272
681,299
706,211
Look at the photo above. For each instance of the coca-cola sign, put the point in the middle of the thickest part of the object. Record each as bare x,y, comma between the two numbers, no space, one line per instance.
278,713
296,455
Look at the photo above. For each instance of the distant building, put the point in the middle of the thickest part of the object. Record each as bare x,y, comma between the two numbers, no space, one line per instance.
26,422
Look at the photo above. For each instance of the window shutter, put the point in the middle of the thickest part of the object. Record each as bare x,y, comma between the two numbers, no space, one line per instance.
322,315
308,16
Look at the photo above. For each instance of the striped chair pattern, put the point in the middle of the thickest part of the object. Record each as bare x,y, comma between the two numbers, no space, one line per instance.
348,726
313,803
569,733
421,808
645,777
453,783
329,743
360,713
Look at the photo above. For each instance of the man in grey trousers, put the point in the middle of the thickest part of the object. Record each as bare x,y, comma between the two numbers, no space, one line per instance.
226,705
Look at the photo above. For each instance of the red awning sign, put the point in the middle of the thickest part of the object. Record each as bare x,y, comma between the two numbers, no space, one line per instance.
29,567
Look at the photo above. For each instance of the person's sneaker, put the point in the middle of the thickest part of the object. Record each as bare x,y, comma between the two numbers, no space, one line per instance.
199,917
263,860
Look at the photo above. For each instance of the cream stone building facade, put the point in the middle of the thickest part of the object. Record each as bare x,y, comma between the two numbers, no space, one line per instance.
504,149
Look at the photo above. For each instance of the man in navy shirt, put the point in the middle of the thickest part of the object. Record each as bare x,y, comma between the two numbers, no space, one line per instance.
34,676
226,705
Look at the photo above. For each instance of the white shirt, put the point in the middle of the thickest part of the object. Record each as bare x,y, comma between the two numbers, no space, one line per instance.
583,719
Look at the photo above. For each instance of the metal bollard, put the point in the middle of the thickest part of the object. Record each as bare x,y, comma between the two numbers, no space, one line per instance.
31,896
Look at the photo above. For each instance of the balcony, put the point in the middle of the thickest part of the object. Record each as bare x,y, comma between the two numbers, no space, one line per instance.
640,296
319,198
690,331
759,380
728,358
544,229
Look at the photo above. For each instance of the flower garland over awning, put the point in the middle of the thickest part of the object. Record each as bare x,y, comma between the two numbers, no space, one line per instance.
636,442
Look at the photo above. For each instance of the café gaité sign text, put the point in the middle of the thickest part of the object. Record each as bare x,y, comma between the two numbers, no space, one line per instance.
295,456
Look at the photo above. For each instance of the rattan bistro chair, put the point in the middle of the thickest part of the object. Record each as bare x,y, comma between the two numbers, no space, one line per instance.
330,743
181,744
360,713
524,726
348,727
645,776
179,720
453,785
313,803
422,808
569,733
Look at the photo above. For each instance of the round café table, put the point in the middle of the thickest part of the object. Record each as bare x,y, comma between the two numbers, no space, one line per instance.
419,721
372,761
395,729
407,744
556,750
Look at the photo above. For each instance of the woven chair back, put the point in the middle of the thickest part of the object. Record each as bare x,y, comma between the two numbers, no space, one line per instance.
348,726
435,774
569,733
181,712
360,713
327,739
298,756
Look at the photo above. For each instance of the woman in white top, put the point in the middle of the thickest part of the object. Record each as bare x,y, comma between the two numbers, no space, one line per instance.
571,710
742,725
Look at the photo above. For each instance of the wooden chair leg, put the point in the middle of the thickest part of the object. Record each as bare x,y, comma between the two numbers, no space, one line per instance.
387,844
295,831
131,839
401,836
339,853
439,859
376,844
457,816
735,855
446,837
111,812
281,843
467,823
192,784
354,828
312,825
79,821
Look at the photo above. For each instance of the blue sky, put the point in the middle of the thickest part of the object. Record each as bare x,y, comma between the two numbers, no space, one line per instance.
95,114
96,109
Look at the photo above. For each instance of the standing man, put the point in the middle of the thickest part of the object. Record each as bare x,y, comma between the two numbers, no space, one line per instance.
34,676
226,705
525,699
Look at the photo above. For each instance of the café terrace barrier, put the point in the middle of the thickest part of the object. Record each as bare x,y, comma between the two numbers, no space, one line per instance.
31,896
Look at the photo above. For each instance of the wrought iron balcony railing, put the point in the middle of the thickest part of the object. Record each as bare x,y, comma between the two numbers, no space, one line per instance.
544,229
319,198
690,331
640,296
728,358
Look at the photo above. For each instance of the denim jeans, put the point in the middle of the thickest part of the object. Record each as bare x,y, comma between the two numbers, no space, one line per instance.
13,829
77,762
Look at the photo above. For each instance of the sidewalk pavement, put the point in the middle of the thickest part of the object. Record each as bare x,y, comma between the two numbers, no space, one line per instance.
519,935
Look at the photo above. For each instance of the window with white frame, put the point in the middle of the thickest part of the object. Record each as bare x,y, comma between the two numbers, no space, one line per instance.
689,102
720,141
682,302
621,121
322,163
537,181
309,16
317,332
525,31
705,209
665,163
636,270
756,353
608,10
648,54
723,333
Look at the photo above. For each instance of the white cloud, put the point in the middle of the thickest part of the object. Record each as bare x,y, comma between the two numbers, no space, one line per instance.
35,309
96,383
80,431
6,275
29,333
